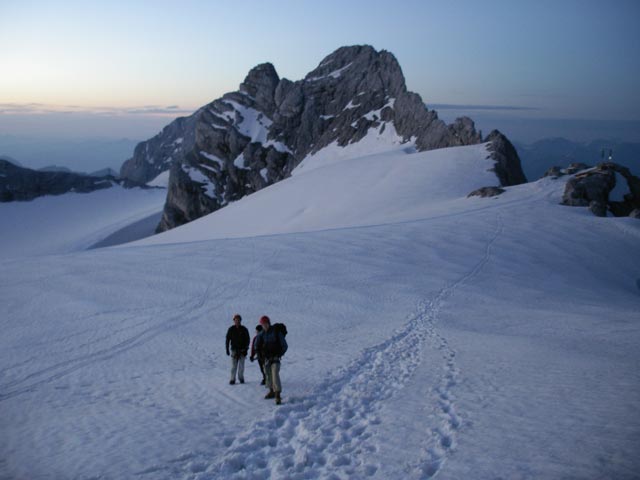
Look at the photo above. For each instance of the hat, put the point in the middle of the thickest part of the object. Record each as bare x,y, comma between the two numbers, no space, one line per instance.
237,315
259,328
264,320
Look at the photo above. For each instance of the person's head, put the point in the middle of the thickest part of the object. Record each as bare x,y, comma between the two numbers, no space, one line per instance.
237,319
265,322
258,328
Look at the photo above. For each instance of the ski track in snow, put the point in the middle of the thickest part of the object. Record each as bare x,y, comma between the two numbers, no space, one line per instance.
147,313
328,432
185,313
58,370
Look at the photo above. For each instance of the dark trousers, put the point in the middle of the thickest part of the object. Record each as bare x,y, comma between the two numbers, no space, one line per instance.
261,363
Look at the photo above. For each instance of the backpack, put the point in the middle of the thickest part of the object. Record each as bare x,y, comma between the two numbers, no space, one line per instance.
271,344
280,327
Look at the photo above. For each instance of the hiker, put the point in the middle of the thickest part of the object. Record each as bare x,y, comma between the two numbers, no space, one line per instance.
272,345
238,338
254,353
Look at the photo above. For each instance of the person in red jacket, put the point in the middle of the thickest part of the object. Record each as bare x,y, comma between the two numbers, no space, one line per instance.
272,345
238,339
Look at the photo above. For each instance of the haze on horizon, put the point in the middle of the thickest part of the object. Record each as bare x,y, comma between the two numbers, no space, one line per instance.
77,70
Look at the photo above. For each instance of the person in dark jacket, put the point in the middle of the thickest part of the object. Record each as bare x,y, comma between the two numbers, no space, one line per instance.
238,340
254,354
272,345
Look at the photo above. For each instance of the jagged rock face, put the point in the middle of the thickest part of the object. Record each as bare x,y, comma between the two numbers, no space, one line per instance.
589,187
592,188
631,200
507,163
507,167
21,184
156,155
256,136
261,84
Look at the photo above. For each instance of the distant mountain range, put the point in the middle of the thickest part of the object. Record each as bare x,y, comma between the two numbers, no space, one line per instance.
18,183
258,135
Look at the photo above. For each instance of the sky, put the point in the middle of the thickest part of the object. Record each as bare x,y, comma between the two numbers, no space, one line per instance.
121,69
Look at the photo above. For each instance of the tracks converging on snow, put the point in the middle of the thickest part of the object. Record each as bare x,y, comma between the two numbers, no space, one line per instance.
328,433
139,327
60,369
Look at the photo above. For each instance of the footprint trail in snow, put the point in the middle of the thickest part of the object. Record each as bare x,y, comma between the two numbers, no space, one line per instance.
328,434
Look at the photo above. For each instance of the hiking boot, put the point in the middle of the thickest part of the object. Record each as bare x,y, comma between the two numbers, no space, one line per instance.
263,382
278,399
232,382
269,395
242,380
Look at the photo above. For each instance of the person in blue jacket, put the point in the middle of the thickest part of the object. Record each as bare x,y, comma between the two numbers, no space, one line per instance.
272,345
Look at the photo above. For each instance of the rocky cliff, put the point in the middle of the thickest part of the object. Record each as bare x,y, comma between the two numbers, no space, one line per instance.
256,136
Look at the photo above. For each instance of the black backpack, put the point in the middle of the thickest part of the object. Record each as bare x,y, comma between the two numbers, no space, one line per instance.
273,347
280,327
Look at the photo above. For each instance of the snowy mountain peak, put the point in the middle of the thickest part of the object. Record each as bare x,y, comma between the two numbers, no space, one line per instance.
260,85
368,70
256,136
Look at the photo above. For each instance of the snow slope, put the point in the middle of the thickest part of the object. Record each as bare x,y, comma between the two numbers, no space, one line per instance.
429,334
391,186
66,223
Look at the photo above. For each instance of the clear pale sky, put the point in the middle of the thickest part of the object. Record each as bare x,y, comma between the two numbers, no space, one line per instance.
131,66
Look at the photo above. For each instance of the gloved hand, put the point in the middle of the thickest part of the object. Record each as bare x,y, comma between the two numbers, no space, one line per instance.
251,359
243,353
227,352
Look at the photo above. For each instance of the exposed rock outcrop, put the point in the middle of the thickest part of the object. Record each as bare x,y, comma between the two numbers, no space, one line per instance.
156,155
589,186
630,200
593,188
554,172
487,192
256,136
507,167
575,168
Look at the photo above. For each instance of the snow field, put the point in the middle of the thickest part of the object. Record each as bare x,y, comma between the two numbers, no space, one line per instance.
438,337
73,221
387,187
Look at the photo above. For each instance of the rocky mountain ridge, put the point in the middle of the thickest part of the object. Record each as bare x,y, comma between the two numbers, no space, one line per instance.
256,136
18,183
